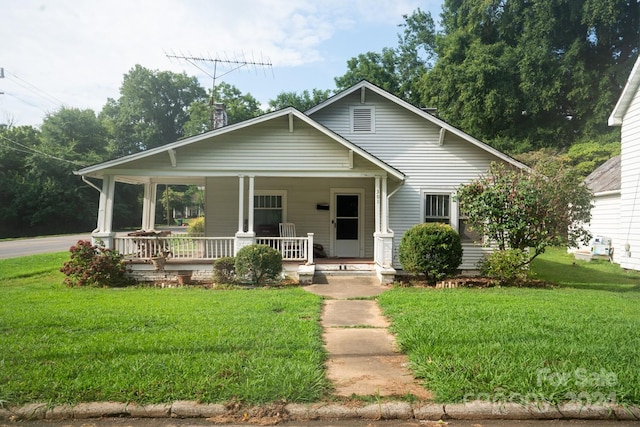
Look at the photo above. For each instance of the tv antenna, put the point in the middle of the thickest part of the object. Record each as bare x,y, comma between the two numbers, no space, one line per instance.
231,66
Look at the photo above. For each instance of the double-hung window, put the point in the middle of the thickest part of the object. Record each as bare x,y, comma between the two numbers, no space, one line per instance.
269,210
437,208
441,207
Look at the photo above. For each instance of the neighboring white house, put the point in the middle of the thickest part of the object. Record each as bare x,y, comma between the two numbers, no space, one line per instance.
353,174
627,115
604,183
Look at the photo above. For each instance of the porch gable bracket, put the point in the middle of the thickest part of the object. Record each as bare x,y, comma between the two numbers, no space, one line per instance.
172,157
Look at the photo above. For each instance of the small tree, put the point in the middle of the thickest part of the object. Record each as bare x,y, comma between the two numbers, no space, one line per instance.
431,249
519,209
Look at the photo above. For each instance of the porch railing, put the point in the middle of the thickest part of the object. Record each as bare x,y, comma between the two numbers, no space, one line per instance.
208,248
291,248
180,247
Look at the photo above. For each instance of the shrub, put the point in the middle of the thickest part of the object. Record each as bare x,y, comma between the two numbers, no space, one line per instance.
431,249
91,265
196,226
224,270
258,263
508,267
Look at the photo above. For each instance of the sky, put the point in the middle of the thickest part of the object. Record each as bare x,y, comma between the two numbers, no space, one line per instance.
74,53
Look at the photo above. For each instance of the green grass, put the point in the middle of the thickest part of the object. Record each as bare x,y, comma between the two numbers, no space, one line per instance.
559,267
149,345
577,342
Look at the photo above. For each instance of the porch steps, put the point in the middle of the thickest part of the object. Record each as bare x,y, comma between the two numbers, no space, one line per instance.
347,267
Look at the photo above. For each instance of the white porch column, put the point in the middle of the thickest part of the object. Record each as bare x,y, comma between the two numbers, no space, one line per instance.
243,238
251,197
149,206
383,249
241,205
384,226
103,231
378,204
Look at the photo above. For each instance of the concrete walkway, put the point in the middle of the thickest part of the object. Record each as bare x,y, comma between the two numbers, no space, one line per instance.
363,358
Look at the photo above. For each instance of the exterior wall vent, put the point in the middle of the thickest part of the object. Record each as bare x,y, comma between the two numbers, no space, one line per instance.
362,119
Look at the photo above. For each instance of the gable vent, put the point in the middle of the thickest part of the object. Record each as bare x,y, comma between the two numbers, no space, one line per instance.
362,119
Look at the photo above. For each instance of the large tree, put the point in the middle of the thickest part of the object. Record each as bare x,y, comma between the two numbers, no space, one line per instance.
152,109
525,75
397,70
239,107
40,193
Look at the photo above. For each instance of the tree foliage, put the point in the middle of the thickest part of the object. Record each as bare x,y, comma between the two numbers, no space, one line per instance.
397,70
521,209
302,101
526,75
152,109
239,107
40,193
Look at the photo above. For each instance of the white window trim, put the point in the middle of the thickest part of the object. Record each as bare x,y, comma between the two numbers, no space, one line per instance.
282,193
372,108
453,205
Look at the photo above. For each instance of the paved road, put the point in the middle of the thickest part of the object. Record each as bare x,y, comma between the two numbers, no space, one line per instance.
39,245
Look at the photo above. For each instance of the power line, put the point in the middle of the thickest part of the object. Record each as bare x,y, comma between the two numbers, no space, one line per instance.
32,150
33,88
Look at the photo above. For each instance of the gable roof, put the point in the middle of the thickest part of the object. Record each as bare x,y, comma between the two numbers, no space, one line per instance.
98,169
606,177
629,91
366,85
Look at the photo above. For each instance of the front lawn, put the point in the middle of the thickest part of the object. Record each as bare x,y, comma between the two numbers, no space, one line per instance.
571,343
150,345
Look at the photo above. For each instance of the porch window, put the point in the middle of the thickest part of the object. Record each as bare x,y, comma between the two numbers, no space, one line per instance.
269,210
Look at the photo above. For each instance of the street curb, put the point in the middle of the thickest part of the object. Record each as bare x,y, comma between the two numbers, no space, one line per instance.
476,410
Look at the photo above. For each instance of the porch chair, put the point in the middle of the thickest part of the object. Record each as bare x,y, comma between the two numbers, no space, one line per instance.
290,248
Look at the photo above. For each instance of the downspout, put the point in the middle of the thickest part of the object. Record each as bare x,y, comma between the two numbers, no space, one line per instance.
90,184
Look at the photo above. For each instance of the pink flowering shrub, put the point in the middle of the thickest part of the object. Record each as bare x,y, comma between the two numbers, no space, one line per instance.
96,266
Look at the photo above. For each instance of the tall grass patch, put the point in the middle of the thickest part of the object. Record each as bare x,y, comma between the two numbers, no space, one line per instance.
522,345
152,345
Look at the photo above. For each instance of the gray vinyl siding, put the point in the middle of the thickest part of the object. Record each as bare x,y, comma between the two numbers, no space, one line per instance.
268,146
630,180
303,196
410,143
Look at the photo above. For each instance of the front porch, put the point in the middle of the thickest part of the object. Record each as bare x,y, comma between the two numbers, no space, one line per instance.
165,256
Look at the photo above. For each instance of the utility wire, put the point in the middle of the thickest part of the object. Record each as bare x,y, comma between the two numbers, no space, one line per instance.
33,88
34,151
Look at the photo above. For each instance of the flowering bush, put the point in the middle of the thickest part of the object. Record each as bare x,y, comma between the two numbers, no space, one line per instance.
95,266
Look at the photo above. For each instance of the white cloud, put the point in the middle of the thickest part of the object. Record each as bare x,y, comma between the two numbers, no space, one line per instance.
77,51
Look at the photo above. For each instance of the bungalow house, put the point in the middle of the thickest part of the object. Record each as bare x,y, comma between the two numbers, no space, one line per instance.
351,174
623,202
